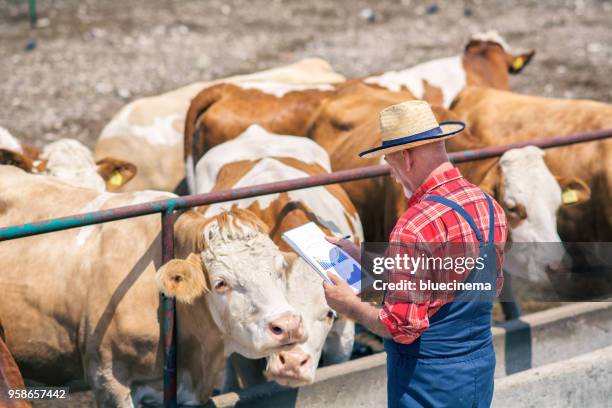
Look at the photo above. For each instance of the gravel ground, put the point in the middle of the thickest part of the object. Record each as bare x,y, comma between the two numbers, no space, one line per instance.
93,57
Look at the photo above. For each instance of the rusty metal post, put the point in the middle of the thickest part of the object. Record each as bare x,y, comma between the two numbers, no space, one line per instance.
168,332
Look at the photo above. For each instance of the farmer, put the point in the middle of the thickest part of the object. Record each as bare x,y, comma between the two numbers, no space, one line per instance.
439,350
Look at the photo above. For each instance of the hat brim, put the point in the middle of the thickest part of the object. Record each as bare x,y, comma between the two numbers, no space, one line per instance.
449,129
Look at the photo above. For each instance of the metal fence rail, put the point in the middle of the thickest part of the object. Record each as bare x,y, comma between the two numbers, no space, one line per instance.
168,207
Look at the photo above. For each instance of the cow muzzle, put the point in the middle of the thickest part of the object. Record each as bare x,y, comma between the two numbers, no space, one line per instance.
292,367
287,329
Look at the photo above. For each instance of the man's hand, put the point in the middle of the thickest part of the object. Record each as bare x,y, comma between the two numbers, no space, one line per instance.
347,246
339,295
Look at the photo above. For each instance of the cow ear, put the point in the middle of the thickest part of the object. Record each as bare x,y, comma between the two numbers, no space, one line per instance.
432,94
115,172
518,62
493,182
573,190
13,158
182,278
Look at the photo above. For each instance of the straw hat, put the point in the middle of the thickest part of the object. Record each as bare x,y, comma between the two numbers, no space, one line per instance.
410,124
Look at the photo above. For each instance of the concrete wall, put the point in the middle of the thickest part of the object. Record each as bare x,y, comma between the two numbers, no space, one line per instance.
357,383
552,335
583,381
535,340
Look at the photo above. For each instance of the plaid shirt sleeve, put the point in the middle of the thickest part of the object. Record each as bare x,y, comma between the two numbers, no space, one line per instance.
405,320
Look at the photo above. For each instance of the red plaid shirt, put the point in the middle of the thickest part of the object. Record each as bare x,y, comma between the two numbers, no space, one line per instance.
429,222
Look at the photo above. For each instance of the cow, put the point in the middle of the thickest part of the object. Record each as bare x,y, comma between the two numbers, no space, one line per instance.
499,117
259,156
347,125
531,196
84,303
222,112
10,377
330,338
68,160
151,128
486,61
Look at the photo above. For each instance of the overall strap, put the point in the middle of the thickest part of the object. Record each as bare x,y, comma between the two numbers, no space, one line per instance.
459,209
491,219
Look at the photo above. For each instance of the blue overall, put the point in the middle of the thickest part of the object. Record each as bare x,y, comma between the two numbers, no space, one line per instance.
453,361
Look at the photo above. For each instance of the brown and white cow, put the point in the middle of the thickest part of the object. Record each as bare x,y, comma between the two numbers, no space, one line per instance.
84,303
498,117
222,112
149,129
486,61
347,125
68,160
258,156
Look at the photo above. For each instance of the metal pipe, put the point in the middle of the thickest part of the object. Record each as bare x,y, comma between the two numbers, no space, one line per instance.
168,327
558,141
96,217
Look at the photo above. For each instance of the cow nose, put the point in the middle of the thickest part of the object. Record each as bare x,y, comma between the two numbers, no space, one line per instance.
294,363
287,329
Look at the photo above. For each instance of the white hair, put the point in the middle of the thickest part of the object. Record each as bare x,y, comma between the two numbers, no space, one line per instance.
8,141
492,36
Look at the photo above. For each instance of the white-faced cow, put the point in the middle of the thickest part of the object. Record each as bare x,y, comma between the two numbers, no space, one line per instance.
84,303
258,156
499,117
68,160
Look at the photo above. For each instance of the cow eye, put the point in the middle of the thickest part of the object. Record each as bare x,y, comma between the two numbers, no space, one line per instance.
221,285
331,315
517,212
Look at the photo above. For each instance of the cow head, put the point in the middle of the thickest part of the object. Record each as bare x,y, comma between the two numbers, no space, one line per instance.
296,366
15,158
70,161
237,273
531,197
487,60
12,153
115,172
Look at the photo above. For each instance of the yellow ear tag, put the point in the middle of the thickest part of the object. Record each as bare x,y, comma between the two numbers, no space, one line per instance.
116,179
518,63
569,196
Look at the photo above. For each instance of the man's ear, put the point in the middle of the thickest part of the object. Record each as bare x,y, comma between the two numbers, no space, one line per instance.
182,278
407,159
573,190
115,172
12,158
518,62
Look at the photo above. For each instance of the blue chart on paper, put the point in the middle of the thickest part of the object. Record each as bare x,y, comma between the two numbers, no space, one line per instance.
348,271
355,276
335,257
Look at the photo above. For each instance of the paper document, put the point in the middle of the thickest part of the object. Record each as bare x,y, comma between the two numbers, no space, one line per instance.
309,242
